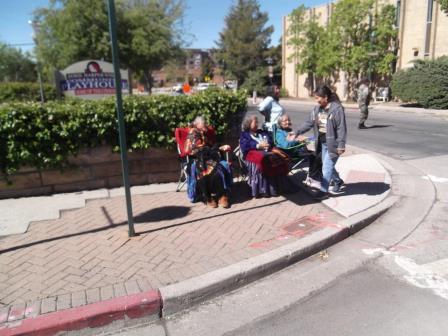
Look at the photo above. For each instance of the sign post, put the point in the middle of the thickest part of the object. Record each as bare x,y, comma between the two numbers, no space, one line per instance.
119,106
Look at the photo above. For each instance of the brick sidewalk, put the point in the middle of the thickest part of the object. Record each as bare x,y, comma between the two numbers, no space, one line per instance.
86,256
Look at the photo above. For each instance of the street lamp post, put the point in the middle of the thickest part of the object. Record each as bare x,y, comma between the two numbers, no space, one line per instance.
270,61
120,116
36,27
371,53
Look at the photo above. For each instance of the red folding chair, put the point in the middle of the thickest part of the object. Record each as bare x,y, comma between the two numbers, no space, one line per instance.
181,134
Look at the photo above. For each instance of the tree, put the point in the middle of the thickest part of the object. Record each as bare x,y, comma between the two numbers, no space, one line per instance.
425,83
244,39
274,54
349,27
73,30
153,35
359,40
15,66
207,69
306,38
295,34
256,80
384,45
444,5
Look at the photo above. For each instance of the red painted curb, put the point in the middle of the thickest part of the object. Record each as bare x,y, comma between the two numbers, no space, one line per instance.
89,316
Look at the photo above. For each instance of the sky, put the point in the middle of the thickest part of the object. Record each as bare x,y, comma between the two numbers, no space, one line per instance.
203,21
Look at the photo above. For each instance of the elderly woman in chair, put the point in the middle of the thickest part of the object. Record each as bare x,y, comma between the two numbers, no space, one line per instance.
267,166
284,135
295,146
212,175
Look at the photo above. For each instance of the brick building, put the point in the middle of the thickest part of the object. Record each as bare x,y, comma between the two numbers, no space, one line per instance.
190,68
422,30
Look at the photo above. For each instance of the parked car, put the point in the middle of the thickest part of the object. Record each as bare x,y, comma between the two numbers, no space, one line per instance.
177,87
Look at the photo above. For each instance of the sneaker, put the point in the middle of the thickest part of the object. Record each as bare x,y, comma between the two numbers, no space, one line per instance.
338,186
320,195
224,202
212,203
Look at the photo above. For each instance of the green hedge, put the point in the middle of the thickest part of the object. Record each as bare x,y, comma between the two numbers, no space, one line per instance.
43,136
23,91
425,84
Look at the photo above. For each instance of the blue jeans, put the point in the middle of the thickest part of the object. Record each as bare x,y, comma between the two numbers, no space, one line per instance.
328,169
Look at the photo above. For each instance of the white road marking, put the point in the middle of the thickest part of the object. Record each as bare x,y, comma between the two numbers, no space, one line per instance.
435,178
376,250
428,276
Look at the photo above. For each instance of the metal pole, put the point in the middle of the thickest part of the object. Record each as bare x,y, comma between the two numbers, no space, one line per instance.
119,106
370,47
41,87
36,27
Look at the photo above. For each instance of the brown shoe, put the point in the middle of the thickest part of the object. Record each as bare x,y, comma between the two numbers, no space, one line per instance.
224,202
212,203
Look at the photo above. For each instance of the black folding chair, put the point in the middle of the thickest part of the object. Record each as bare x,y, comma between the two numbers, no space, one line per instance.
299,154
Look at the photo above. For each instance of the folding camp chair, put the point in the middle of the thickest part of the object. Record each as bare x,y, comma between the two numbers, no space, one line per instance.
241,169
298,154
181,135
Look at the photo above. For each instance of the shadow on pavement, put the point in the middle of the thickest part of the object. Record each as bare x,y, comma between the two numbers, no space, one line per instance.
153,215
378,126
48,240
411,105
241,195
163,213
227,213
364,188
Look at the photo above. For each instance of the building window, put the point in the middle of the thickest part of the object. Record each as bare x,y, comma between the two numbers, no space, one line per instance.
397,14
428,27
429,15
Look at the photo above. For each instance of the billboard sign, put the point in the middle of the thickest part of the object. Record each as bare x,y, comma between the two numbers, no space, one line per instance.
90,80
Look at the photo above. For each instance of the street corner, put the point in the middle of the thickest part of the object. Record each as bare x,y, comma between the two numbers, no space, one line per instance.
367,183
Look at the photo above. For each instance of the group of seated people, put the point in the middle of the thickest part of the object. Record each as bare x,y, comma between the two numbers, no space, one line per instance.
210,176
267,152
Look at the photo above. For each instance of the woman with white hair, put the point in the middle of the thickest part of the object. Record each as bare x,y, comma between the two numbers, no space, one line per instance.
267,168
212,175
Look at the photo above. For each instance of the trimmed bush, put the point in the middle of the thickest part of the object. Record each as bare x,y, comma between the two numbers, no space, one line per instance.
43,136
425,84
18,91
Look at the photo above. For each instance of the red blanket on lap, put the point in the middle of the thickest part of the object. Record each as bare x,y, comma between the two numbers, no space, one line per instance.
268,163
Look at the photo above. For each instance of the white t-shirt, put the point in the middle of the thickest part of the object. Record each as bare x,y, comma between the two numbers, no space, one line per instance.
269,106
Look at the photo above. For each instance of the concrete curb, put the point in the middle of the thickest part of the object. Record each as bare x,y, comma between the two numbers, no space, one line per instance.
182,295
90,316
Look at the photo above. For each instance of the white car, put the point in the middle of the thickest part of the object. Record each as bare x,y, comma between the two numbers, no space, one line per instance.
177,87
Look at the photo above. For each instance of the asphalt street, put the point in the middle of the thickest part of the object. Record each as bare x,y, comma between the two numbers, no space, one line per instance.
400,135
366,302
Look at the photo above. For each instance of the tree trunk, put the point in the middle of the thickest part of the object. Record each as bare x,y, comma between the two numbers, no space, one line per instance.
130,81
148,81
